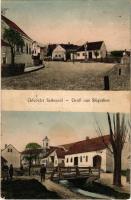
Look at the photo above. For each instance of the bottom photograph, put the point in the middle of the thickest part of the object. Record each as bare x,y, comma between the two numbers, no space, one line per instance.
65,155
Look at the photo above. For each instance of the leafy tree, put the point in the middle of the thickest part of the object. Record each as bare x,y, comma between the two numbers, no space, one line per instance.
31,153
14,39
117,53
32,145
118,129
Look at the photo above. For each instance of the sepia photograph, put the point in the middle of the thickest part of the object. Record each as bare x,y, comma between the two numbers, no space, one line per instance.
65,45
65,155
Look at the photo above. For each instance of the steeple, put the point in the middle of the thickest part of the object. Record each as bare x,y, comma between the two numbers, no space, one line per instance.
46,143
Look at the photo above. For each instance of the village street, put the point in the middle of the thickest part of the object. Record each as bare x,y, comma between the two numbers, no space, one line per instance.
66,190
61,75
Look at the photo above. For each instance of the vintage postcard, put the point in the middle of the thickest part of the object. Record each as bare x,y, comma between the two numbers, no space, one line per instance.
65,105
65,44
65,155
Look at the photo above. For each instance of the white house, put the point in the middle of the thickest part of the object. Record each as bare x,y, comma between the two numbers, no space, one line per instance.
12,155
90,153
63,51
53,156
49,155
89,51
23,54
59,53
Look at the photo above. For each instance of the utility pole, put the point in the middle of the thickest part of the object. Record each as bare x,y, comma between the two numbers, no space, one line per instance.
85,46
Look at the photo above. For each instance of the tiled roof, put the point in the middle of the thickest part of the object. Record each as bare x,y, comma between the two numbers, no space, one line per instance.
14,26
60,153
50,49
91,46
70,47
88,145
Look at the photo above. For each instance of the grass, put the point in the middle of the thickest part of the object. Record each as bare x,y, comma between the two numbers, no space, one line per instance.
61,76
26,189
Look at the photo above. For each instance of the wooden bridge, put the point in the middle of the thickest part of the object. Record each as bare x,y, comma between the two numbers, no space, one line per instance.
75,174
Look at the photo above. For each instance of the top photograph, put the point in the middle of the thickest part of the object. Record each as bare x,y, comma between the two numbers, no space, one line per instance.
65,45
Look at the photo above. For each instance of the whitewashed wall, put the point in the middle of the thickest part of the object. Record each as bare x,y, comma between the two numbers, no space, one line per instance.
20,57
90,155
59,53
12,157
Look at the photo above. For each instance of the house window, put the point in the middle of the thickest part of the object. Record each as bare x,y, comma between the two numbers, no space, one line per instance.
80,158
56,55
119,72
71,160
27,48
59,56
22,49
67,160
78,54
86,158
9,150
4,60
83,54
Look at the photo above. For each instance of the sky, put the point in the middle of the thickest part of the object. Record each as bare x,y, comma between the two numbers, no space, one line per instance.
20,128
75,21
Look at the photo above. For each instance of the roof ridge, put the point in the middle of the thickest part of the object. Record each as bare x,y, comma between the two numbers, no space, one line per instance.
11,23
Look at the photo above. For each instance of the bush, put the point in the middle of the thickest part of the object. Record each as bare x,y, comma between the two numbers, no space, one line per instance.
12,70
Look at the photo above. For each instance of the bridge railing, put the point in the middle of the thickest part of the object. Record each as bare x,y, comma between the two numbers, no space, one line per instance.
74,172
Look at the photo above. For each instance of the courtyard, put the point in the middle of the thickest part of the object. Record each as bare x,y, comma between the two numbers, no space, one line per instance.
61,76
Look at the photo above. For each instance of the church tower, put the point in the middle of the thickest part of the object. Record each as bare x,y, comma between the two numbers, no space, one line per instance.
46,143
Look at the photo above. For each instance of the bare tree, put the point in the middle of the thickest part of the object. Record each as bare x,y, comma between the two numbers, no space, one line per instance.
118,130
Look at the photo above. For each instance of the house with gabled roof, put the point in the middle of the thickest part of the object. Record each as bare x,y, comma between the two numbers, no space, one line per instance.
92,152
49,155
89,51
62,52
23,54
11,155
54,158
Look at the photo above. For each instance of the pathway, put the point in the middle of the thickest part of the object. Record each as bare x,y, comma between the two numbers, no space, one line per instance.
33,68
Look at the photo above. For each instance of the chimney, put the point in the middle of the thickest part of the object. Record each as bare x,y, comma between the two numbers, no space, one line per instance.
6,146
87,138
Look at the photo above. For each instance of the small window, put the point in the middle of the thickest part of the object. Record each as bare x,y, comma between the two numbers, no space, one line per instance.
27,48
71,160
59,56
119,72
9,150
56,55
86,158
80,158
67,160
83,54
78,54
